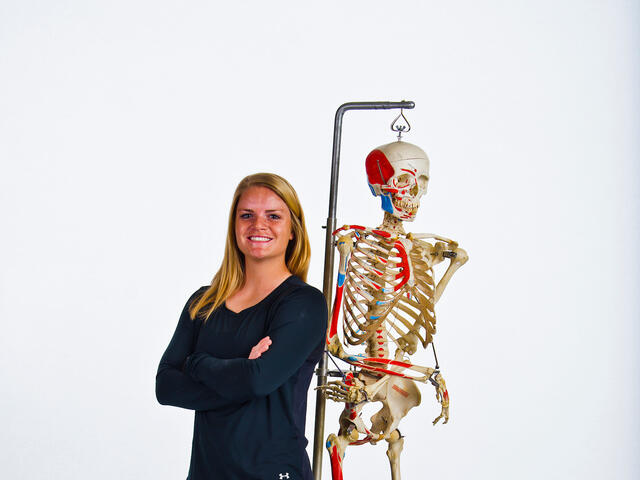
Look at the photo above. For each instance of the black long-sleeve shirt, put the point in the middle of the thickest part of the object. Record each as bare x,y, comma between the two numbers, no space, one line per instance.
250,414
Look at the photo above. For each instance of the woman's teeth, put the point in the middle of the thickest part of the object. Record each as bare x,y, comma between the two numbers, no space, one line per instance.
259,239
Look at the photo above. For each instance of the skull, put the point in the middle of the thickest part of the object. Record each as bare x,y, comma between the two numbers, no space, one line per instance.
398,172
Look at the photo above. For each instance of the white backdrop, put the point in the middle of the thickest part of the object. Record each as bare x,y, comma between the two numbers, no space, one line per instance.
125,126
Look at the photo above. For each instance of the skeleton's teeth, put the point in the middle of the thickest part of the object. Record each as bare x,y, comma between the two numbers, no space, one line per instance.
405,204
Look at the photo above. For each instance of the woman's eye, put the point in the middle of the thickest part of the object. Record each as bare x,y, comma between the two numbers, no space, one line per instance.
274,216
245,215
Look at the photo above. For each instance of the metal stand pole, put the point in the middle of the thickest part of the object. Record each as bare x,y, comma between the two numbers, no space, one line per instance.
327,284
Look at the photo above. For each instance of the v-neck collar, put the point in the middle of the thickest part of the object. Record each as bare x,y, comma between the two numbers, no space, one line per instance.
257,303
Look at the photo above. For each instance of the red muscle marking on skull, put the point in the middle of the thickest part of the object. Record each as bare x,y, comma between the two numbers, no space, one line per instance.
379,170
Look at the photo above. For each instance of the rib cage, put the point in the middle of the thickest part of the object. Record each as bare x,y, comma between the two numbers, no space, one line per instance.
388,288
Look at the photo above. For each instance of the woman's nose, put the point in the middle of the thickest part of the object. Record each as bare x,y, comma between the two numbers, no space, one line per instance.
260,222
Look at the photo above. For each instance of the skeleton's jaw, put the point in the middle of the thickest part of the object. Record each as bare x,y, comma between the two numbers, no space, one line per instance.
405,208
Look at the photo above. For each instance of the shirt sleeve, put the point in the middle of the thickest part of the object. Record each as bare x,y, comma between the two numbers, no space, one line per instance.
173,386
298,327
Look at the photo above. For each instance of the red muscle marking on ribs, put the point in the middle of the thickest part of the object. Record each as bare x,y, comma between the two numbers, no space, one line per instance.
400,391
404,266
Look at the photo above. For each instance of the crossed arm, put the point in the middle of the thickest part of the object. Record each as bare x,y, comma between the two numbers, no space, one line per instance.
173,386
200,381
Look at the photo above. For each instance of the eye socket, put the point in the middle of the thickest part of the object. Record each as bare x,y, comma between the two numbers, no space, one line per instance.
403,180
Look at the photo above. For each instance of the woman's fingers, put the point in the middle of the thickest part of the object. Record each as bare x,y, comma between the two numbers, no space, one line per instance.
261,347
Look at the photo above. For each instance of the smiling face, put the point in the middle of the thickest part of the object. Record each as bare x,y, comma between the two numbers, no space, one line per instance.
262,225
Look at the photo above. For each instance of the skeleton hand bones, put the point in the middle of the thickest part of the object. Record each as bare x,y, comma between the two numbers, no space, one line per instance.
442,396
352,390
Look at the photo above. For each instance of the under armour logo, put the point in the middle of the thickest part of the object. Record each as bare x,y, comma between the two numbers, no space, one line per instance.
284,475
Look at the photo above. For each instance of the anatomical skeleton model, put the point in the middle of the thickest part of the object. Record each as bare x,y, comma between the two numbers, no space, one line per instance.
387,291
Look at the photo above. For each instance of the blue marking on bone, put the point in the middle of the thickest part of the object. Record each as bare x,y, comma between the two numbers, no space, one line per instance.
328,444
387,206
380,302
373,192
374,318
340,279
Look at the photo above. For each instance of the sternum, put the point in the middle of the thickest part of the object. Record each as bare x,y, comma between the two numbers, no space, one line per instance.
377,343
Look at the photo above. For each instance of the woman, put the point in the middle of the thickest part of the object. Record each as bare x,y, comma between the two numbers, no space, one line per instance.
245,347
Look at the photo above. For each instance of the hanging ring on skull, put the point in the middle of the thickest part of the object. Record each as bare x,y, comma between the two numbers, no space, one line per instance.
400,124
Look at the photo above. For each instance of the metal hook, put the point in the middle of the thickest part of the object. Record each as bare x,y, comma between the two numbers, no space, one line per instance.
400,127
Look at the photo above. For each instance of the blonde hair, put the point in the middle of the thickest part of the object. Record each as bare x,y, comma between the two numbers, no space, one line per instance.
230,276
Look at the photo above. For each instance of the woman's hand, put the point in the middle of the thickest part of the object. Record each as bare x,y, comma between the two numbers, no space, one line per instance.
260,348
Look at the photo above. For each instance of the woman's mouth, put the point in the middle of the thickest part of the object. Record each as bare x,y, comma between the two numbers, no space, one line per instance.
257,238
